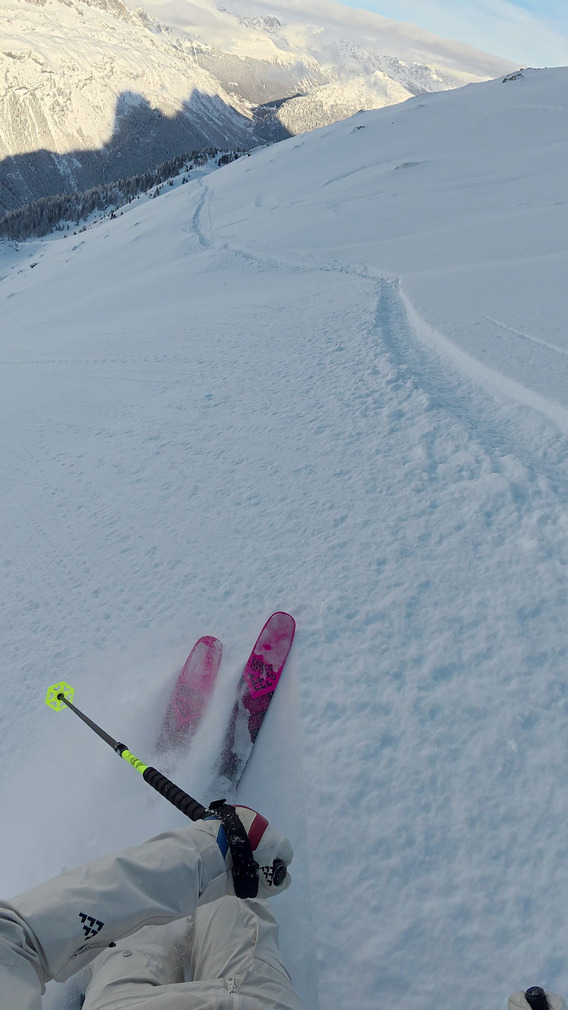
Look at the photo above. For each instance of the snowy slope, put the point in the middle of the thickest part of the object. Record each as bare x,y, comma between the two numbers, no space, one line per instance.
332,102
328,378
92,92
67,65
477,230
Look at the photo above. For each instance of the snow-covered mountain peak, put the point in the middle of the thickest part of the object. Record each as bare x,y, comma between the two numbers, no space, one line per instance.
114,7
259,22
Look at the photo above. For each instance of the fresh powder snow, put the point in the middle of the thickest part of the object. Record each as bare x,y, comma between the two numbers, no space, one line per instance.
330,378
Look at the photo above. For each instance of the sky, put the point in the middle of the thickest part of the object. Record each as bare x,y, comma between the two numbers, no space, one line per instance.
532,32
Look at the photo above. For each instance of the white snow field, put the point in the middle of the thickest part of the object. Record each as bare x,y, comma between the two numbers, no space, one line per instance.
331,378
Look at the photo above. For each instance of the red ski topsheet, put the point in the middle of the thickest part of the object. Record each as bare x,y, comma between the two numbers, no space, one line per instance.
191,694
267,659
254,694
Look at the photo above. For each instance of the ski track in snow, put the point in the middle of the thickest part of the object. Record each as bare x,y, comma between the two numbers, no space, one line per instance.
529,336
267,431
489,487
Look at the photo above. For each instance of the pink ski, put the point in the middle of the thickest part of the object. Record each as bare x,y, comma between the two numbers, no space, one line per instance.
191,695
256,688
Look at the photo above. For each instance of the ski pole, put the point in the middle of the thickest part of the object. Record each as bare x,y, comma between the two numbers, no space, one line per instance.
60,695
245,873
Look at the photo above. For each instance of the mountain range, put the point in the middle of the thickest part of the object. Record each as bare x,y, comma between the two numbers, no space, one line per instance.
93,91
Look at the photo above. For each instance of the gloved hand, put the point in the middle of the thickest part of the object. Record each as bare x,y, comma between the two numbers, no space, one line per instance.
267,873
271,850
518,1001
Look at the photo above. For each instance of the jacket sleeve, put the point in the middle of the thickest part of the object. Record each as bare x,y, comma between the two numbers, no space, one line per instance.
56,928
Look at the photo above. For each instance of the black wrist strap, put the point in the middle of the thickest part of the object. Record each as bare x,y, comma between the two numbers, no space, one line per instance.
245,869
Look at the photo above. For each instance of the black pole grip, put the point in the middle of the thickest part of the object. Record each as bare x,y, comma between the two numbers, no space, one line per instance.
536,998
183,801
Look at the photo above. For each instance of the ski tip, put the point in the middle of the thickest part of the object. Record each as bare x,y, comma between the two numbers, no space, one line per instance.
210,641
282,614
282,622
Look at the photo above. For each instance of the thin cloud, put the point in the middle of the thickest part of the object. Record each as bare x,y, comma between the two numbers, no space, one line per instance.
530,32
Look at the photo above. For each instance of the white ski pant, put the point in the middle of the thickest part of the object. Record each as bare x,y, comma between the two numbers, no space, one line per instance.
230,949
122,914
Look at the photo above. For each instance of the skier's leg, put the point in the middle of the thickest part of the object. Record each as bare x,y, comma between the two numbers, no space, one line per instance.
237,941
234,951
134,970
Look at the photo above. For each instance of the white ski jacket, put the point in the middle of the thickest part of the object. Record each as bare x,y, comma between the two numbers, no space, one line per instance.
53,930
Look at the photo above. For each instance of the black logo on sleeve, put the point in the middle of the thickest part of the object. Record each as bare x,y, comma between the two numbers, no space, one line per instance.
91,925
